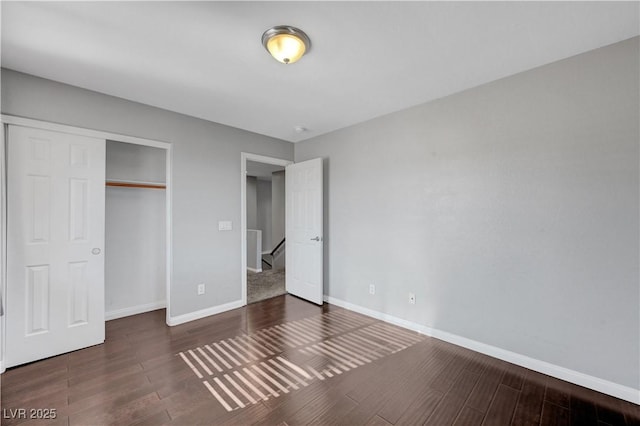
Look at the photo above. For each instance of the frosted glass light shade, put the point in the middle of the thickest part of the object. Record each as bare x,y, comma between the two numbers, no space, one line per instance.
286,44
286,48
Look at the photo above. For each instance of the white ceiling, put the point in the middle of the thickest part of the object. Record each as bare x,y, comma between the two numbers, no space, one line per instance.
367,59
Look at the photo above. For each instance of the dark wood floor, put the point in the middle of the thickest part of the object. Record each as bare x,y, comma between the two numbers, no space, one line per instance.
359,371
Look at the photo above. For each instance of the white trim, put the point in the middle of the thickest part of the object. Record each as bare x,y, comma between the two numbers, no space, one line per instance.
168,194
610,388
63,128
3,244
257,271
134,310
244,157
192,316
28,122
266,252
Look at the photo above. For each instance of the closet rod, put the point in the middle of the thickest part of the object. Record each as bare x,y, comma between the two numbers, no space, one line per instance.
136,185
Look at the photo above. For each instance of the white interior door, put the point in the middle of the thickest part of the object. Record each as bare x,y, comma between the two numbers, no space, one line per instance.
304,238
55,239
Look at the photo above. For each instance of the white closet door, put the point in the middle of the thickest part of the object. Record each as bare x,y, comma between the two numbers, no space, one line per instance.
55,236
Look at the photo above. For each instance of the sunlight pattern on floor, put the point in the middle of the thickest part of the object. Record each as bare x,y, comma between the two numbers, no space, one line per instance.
277,360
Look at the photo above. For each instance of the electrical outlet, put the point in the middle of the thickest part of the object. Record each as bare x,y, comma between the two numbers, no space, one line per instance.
372,289
200,289
412,298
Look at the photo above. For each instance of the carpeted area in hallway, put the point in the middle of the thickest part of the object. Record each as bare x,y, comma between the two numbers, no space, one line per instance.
264,285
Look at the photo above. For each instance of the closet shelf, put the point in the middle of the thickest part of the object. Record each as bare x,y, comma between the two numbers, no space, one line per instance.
136,184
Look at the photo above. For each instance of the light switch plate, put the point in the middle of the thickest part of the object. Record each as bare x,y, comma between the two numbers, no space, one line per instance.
224,225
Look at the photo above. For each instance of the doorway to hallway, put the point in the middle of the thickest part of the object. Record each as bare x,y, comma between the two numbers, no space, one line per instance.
264,211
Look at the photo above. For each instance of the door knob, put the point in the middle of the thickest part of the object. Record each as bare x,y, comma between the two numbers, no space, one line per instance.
315,239
96,251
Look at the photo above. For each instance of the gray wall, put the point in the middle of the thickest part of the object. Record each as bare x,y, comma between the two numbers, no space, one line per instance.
206,176
277,208
252,202
135,228
264,213
510,210
254,256
141,163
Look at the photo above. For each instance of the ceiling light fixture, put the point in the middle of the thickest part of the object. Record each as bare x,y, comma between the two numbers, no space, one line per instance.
285,43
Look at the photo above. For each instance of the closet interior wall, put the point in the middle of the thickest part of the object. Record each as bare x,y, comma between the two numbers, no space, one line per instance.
135,264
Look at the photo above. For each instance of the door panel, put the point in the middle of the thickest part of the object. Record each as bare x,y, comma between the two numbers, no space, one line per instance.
55,237
304,236
37,306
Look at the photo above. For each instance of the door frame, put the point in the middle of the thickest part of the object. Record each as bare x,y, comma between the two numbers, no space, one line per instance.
61,128
244,157
3,243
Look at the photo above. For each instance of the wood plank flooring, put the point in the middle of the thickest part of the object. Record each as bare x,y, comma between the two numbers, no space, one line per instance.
284,361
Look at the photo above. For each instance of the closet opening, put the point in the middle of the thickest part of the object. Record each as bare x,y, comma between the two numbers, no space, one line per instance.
93,196
136,254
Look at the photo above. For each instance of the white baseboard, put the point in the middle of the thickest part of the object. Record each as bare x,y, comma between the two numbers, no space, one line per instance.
572,376
192,316
134,310
254,270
